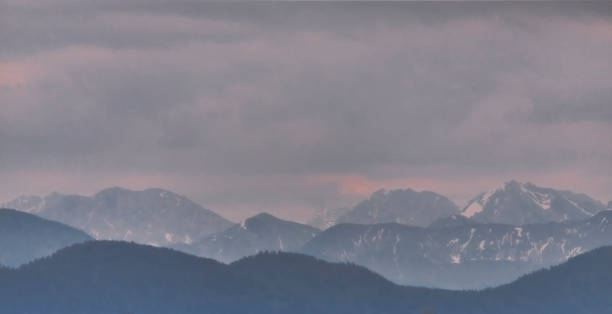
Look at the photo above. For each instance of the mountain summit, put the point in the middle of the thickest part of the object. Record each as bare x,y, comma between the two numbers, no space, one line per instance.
401,206
152,216
518,203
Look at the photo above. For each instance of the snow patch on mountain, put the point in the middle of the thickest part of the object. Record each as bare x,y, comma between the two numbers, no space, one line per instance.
541,199
580,208
519,231
326,218
478,204
521,203
455,258
472,209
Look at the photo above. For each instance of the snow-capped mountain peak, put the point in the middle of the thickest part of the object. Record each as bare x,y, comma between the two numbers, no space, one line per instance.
520,203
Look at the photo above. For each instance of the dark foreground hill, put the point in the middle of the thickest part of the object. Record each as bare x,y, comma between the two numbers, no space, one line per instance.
118,277
25,237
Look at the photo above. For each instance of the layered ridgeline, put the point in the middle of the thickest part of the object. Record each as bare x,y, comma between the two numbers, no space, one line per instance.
152,216
400,206
457,252
514,203
518,203
262,232
115,277
25,237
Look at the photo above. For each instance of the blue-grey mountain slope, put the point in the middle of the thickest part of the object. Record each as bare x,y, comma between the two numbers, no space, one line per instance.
25,237
521,203
458,253
262,232
152,216
407,207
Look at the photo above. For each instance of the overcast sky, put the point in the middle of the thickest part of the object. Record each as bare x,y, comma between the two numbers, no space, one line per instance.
290,108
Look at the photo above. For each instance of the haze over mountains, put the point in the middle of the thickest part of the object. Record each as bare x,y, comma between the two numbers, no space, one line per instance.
305,157
152,216
325,218
25,237
115,277
434,244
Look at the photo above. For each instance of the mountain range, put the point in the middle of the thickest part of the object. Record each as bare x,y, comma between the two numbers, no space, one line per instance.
513,203
152,216
434,245
262,232
118,277
454,252
25,237
458,253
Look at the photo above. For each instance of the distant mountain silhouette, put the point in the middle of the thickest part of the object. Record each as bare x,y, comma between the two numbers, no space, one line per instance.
25,237
152,216
407,207
518,203
262,232
115,277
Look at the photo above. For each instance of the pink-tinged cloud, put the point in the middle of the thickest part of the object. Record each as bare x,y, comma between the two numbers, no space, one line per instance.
13,74
286,115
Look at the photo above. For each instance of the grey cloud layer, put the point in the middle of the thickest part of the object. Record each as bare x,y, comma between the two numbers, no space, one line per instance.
293,90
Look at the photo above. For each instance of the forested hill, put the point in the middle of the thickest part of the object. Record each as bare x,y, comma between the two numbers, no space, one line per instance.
118,277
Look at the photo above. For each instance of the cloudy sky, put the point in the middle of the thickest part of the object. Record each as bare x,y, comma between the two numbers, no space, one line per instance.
293,107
